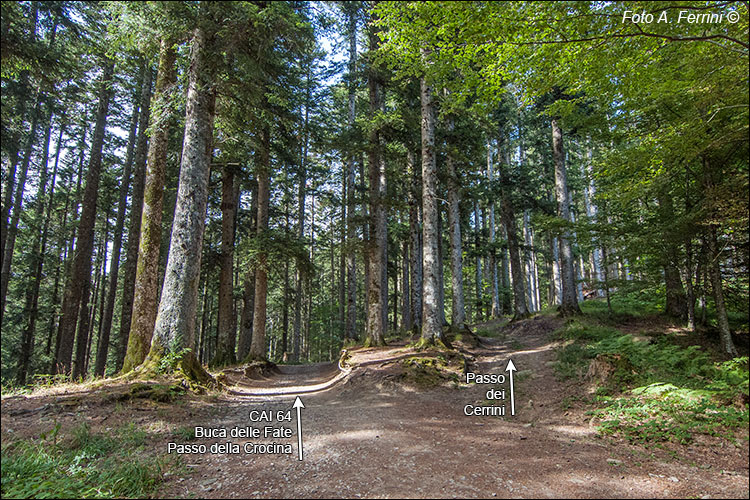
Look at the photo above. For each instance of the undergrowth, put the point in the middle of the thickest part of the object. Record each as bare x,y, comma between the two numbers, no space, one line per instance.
652,389
82,464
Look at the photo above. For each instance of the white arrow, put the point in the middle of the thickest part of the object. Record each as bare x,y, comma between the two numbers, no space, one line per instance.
298,404
511,368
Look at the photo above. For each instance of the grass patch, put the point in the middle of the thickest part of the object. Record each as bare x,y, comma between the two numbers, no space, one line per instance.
82,464
653,390
672,415
429,371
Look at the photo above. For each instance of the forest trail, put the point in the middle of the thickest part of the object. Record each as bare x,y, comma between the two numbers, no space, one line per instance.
368,431
370,435
286,380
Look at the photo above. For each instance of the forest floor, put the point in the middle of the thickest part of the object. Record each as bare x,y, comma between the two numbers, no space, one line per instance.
393,426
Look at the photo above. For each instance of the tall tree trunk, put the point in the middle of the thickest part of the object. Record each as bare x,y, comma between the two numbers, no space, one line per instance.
174,332
458,311
415,243
147,308
407,323
528,263
114,264
248,293
146,284
714,270
431,320
440,269
479,274
204,321
297,334
306,340
496,310
605,270
100,290
81,336
588,199
351,227
505,293
227,331
81,269
676,302
378,237
569,297
555,288
67,238
689,283
258,345
341,324
507,213
285,312
689,262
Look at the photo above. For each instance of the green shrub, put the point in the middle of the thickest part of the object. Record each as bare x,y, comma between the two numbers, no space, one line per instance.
656,390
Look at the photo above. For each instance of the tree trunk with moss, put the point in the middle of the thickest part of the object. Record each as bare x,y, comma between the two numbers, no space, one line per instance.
130,267
146,295
174,333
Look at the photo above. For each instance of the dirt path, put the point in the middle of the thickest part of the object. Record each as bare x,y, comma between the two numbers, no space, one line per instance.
370,436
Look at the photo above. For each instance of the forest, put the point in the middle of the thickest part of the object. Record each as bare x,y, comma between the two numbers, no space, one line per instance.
204,198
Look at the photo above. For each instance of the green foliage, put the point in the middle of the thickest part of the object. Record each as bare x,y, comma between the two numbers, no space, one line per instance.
672,415
84,465
656,390
171,359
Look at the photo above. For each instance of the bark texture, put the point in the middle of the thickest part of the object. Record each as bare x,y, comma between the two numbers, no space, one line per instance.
129,268
146,286
351,227
496,309
174,332
376,291
415,243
